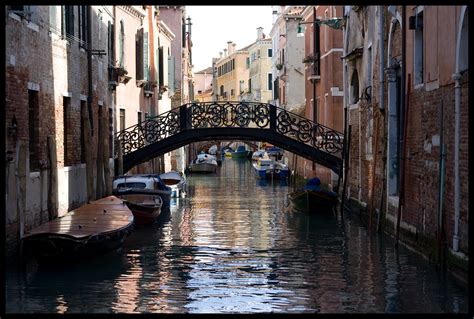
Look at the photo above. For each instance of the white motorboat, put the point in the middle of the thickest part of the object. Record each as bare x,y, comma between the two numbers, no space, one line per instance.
175,181
204,163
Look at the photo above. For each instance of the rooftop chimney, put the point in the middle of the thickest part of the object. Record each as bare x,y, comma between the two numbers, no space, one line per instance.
225,53
220,55
230,47
259,33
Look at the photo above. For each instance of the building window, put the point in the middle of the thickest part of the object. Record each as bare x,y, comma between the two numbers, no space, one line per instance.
122,119
53,26
111,132
232,92
33,124
67,136
83,145
247,65
276,89
139,54
82,26
270,53
199,92
222,90
250,85
354,88
269,81
22,11
67,29
139,117
418,59
161,66
111,44
121,44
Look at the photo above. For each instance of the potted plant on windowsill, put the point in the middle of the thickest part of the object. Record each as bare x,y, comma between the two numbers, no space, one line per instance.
122,73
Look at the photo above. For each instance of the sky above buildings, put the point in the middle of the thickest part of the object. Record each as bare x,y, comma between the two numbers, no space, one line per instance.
213,26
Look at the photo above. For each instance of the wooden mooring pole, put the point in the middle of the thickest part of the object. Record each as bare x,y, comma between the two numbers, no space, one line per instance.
106,157
346,160
52,179
88,153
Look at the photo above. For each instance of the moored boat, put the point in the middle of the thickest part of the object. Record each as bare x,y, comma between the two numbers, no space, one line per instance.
146,208
240,152
150,184
94,228
266,168
204,163
313,199
175,181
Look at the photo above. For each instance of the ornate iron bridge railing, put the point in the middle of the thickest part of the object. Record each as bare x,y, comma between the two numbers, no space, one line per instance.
230,115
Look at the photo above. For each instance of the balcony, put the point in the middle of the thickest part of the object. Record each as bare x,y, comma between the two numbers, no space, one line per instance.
149,88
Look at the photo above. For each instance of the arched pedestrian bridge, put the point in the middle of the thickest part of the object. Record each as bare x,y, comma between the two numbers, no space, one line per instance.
252,121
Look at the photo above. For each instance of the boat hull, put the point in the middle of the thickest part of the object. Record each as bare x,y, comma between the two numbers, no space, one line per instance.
95,228
312,201
242,154
202,168
146,208
174,181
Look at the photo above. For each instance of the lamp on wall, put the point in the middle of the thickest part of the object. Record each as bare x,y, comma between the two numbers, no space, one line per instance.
13,128
335,23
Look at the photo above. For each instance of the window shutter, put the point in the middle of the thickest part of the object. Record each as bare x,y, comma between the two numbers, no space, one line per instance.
157,63
70,20
121,44
63,20
139,54
52,18
161,64
171,74
146,69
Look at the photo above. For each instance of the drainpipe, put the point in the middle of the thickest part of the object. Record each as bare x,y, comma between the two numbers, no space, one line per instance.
344,97
89,66
457,121
381,68
442,155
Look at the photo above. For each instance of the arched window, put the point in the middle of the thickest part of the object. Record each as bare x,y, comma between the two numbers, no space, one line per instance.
355,87
121,44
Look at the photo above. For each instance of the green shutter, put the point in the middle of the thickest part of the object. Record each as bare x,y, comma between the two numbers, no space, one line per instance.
121,44
52,17
171,74
146,69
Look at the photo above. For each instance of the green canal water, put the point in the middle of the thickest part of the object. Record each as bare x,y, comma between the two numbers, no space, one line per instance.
233,246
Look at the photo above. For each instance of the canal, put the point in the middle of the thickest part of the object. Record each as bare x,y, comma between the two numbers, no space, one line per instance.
232,245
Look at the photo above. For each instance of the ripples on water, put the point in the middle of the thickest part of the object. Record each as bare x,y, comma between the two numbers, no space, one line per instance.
234,246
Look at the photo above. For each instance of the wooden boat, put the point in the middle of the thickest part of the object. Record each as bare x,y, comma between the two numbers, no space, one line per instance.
150,184
175,181
146,208
313,198
313,201
204,163
94,228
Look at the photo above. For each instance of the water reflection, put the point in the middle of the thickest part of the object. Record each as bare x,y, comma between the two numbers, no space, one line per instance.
233,245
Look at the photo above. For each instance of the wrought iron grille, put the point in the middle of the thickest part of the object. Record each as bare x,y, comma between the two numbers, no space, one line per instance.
230,115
